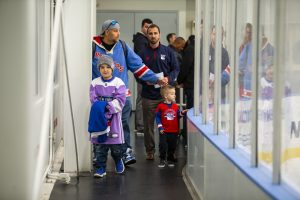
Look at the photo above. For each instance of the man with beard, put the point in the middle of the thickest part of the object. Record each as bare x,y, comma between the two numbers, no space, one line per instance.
159,58
108,43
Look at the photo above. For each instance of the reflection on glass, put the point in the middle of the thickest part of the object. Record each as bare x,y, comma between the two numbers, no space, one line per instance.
225,75
265,91
291,102
243,137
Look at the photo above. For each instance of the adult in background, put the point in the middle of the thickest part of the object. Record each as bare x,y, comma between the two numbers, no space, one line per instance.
140,41
185,78
245,63
159,58
108,43
171,38
225,67
177,46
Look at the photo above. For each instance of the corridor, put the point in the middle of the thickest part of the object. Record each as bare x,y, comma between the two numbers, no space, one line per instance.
142,180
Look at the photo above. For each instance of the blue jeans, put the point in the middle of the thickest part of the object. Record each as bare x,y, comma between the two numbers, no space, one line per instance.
101,151
126,112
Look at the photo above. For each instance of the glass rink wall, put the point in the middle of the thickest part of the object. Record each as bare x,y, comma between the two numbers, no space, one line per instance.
244,129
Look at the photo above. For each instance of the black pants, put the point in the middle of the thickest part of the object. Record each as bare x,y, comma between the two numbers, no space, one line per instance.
167,145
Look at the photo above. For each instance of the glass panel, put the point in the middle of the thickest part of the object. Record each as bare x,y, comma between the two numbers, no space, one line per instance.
211,57
227,45
244,48
291,102
201,15
225,68
267,32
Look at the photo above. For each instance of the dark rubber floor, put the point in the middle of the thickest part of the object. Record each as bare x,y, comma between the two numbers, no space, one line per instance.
142,180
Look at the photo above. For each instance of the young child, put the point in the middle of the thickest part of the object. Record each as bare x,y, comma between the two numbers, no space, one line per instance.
167,115
266,83
107,95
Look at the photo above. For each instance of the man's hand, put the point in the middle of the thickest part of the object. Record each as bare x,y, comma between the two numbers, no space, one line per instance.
179,85
163,81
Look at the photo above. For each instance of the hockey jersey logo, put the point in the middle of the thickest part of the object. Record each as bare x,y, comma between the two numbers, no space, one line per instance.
119,67
97,54
170,114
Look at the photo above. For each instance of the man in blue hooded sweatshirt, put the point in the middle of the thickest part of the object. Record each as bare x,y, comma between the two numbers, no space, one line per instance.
108,43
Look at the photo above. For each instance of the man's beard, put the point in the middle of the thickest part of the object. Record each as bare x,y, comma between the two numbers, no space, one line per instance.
154,41
115,40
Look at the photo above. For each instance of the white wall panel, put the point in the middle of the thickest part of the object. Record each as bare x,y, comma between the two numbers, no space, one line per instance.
77,17
21,102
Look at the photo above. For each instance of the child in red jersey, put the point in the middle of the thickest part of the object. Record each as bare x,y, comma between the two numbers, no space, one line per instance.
167,116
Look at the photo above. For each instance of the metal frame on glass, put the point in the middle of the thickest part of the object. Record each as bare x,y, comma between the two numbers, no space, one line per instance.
205,61
278,89
197,58
217,70
233,77
254,85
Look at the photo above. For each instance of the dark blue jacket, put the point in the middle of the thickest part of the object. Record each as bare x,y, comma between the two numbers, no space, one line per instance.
97,119
225,76
140,41
161,59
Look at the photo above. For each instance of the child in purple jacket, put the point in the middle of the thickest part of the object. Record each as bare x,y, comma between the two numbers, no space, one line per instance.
109,94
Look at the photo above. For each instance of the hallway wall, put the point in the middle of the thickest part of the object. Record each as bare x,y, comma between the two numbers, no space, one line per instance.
21,99
25,49
167,5
78,19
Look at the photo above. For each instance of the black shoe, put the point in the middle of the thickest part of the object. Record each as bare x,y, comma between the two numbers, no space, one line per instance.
162,164
171,164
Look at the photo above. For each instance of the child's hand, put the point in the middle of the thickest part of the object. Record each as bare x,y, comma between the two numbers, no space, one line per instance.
185,111
162,132
108,115
148,83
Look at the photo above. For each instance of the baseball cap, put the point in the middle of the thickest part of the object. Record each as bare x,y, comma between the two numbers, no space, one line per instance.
109,24
104,59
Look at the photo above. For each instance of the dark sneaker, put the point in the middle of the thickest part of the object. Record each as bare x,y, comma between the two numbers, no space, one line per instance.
129,160
162,164
100,172
171,164
120,166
